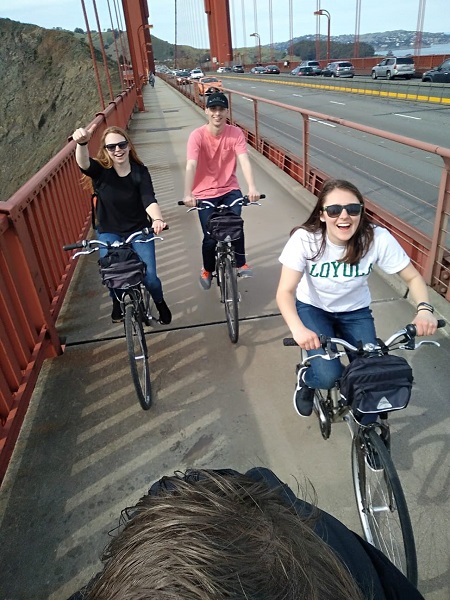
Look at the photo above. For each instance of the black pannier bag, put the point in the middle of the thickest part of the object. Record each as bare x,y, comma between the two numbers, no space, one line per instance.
223,224
121,268
376,384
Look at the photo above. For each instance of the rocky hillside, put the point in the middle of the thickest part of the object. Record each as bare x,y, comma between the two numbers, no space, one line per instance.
48,89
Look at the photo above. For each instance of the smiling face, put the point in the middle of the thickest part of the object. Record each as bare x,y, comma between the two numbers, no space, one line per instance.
342,228
119,156
217,119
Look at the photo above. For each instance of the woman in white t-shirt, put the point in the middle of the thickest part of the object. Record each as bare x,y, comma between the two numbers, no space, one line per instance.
323,287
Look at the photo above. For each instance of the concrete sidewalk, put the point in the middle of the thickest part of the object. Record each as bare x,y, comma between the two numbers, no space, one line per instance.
87,450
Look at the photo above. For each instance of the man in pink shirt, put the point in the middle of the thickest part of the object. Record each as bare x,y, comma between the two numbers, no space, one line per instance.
211,175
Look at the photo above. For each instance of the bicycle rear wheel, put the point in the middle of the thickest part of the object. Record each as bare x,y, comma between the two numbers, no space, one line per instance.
138,356
231,299
381,502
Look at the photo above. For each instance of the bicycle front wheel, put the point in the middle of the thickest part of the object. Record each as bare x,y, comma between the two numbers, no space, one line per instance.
230,297
138,356
381,502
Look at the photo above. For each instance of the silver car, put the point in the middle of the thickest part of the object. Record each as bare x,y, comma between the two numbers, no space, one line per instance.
394,66
340,68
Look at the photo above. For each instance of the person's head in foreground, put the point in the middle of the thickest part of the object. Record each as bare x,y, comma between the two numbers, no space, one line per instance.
211,536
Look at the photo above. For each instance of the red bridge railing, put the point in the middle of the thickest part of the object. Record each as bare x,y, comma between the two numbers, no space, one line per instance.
35,222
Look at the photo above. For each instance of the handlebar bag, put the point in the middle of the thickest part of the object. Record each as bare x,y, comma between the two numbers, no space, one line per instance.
376,384
121,268
224,225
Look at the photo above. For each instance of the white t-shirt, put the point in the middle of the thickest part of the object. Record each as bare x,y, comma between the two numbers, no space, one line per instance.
334,286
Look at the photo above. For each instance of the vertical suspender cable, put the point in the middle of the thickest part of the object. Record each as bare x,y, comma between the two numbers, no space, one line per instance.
102,47
114,30
94,62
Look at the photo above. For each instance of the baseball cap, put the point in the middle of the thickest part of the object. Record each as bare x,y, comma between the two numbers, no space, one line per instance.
217,99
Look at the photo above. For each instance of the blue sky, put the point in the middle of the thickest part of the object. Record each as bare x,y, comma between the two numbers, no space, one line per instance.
376,15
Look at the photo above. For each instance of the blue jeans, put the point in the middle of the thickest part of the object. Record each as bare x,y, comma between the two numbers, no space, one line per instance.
208,244
146,253
353,326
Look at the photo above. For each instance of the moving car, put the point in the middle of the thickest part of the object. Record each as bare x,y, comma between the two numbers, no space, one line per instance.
314,64
440,74
196,74
340,68
309,71
258,70
394,66
182,77
272,69
238,69
209,85
224,70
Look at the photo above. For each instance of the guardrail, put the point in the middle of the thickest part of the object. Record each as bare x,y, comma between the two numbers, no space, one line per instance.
428,245
35,222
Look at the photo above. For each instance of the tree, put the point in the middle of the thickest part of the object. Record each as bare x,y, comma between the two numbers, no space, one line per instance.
78,30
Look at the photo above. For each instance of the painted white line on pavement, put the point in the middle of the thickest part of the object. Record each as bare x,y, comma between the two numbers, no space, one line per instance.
407,116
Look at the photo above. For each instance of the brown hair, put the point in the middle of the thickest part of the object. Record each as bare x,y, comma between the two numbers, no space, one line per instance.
360,242
103,156
213,536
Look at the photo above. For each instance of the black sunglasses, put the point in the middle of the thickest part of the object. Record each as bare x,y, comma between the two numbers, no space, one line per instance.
334,210
121,145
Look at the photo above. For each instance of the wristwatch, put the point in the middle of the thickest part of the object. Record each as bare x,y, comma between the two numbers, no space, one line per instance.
425,306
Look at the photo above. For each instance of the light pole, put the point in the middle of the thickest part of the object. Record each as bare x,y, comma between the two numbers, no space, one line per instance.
320,13
256,35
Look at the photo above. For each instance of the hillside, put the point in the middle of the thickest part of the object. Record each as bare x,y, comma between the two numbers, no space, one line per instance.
48,89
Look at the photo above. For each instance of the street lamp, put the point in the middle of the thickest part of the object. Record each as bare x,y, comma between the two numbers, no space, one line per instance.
320,13
256,35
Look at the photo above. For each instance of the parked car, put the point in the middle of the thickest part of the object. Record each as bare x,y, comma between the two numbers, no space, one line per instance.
183,77
209,85
224,70
340,68
258,70
196,74
440,74
238,69
394,66
272,69
314,64
307,71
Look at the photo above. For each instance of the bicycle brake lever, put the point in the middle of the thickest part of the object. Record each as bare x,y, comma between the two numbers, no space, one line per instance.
413,346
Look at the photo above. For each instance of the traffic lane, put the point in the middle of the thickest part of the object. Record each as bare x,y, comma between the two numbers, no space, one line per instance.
401,179
364,84
425,122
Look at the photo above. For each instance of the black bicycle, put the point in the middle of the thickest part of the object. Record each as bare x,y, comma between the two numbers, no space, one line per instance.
227,227
123,272
380,500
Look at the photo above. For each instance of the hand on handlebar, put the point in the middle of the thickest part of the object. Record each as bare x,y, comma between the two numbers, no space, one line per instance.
253,195
158,225
190,201
306,339
425,322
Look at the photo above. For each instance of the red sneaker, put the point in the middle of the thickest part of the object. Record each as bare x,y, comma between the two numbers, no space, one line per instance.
205,279
245,271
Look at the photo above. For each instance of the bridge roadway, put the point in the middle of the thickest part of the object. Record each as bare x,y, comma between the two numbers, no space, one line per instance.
87,450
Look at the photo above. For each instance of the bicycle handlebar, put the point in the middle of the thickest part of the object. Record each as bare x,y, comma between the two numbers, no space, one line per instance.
92,243
244,201
409,332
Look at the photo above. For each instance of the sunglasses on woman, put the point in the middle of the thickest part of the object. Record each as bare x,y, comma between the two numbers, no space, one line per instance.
334,210
120,145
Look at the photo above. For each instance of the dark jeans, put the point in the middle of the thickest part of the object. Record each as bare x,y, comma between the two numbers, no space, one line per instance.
146,253
208,244
353,326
